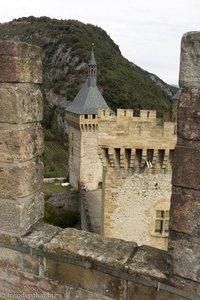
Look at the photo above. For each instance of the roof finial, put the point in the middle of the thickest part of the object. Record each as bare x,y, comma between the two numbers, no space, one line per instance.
92,58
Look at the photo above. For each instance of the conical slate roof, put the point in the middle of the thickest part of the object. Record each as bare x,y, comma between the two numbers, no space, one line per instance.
89,99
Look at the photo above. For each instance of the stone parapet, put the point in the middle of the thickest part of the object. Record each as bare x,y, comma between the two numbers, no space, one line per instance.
81,265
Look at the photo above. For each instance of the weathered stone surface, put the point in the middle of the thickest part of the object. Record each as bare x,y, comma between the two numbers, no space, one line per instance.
20,62
20,103
190,60
87,279
20,179
12,259
185,256
189,114
20,143
185,214
42,233
148,261
141,292
186,171
17,216
91,247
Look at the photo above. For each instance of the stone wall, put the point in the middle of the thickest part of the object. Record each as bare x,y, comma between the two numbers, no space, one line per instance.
85,166
74,152
21,135
131,203
137,155
184,245
71,264
65,200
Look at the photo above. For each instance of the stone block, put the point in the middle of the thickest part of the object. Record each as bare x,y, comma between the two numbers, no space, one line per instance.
186,171
20,103
94,248
190,60
185,214
12,259
20,62
141,292
17,216
189,114
185,256
20,179
87,279
20,143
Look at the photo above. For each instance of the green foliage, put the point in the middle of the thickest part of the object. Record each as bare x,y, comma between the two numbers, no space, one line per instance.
123,83
64,219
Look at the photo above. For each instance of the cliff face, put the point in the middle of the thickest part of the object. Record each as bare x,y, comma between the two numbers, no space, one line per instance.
66,49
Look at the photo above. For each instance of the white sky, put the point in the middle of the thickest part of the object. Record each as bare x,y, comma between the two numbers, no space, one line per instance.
148,32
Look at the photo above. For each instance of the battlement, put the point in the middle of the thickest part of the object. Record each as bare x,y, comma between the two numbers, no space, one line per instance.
125,123
144,142
86,123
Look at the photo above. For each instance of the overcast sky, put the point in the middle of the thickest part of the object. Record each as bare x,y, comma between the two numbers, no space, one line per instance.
148,32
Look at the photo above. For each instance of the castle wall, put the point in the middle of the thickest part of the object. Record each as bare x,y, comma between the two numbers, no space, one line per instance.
74,149
130,207
91,165
85,166
137,154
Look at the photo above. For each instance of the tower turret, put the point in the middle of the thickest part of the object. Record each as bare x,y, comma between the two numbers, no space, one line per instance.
82,119
92,70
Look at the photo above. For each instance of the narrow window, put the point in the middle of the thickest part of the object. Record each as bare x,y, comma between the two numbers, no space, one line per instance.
162,222
93,116
86,116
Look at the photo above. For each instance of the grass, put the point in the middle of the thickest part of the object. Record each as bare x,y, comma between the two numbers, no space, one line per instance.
50,188
55,159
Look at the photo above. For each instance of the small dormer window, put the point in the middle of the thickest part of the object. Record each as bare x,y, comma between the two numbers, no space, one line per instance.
93,116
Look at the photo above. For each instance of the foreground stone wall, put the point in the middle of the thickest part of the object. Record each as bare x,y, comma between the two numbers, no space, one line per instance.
184,246
71,264
21,137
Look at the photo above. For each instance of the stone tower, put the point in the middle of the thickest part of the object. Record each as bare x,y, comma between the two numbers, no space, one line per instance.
85,166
